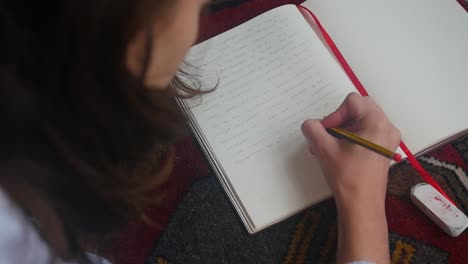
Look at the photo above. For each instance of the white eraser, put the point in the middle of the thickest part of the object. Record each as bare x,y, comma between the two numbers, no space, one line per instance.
443,212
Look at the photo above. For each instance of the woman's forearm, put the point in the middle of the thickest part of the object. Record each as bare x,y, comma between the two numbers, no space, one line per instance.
363,232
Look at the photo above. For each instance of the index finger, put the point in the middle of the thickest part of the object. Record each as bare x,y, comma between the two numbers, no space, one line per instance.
353,107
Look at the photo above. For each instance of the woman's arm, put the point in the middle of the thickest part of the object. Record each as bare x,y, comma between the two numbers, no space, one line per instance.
357,176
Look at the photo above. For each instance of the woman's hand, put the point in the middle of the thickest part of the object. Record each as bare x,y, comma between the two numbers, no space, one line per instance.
349,168
357,176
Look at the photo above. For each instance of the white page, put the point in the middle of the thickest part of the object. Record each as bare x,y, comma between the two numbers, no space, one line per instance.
274,73
412,58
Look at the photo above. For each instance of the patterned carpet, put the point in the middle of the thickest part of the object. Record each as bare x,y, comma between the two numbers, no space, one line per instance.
199,225
206,229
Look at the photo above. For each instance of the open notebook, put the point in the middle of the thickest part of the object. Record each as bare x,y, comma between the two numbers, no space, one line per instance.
274,72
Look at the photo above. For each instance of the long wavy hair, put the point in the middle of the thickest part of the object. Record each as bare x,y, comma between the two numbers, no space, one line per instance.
77,125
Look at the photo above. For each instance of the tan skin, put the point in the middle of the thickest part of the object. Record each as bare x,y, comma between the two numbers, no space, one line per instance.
173,36
357,176
359,190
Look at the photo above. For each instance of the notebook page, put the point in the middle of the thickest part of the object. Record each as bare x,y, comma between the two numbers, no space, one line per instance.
412,58
273,74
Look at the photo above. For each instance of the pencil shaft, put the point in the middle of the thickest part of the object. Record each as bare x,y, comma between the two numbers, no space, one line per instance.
341,133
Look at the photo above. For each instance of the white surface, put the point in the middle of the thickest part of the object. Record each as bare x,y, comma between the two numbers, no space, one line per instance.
412,58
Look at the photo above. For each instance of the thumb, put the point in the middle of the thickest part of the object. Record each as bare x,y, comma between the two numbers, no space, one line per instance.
318,137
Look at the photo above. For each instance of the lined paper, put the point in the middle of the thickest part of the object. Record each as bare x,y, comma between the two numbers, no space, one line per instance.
273,73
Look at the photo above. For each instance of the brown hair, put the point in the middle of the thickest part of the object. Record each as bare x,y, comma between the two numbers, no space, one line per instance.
78,126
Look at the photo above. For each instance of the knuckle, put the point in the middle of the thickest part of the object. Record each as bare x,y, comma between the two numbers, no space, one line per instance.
396,134
356,105
353,96
307,127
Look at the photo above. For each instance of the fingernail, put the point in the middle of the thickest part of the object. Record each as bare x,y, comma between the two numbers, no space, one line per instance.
304,124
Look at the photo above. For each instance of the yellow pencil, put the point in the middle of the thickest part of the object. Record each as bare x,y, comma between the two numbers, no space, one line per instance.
341,133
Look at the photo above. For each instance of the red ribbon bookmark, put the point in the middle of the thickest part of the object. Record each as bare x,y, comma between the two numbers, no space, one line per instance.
354,79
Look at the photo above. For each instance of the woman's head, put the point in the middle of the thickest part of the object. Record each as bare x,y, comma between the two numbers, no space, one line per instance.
88,89
172,34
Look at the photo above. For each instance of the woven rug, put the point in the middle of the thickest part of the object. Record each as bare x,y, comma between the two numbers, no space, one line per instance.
198,224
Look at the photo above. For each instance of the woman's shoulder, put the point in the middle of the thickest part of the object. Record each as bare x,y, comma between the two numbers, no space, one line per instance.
19,241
